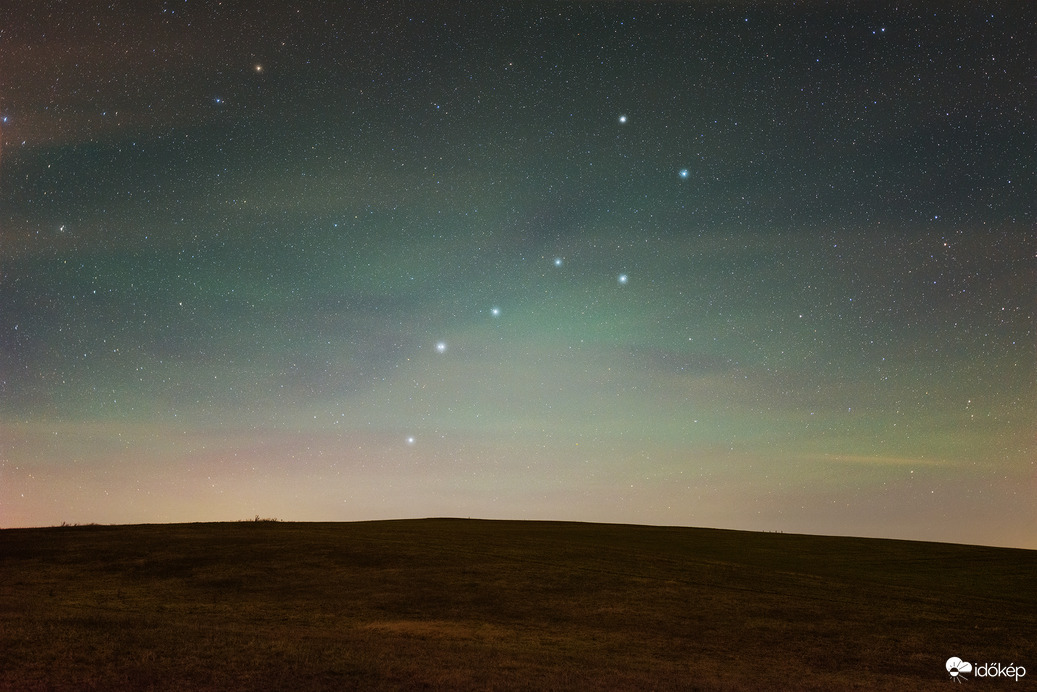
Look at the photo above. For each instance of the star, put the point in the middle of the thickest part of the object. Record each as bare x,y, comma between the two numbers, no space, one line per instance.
623,278
410,440
622,120
684,173
558,261
441,347
495,312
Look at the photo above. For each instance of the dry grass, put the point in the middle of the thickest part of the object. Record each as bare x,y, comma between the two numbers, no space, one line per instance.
459,604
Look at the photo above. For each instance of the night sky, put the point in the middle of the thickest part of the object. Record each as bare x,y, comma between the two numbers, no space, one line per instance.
731,265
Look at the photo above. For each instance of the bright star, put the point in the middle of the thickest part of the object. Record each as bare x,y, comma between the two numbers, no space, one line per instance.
623,278
558,261
441,347
495,312
684,173
622,120
410,440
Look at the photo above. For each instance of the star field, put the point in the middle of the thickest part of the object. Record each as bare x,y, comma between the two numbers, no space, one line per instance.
744,266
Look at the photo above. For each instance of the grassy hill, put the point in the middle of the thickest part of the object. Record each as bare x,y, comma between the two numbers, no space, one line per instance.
463,604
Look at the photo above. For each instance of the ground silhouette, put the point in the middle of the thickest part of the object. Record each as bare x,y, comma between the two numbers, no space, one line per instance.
470,604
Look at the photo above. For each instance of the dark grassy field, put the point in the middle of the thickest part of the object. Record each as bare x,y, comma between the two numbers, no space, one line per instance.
461,604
